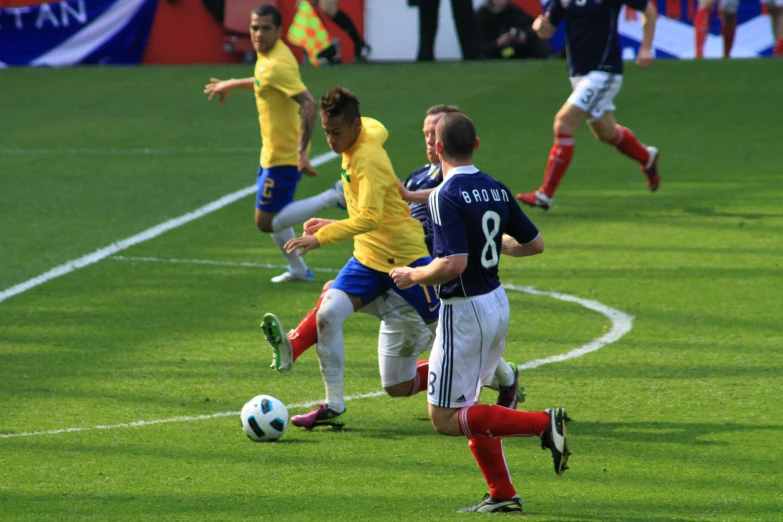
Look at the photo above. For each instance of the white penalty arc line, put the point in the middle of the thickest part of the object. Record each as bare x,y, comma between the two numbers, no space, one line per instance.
148,234
621,325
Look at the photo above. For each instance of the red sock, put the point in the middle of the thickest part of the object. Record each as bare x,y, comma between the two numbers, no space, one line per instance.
778,49
420,381
559,159
489,456
701,26
305,334
627,143
728,28
491,420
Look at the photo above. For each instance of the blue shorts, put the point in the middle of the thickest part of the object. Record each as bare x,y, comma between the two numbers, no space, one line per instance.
368,284
276,187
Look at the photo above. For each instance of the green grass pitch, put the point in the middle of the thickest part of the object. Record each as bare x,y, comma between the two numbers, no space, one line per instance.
675,421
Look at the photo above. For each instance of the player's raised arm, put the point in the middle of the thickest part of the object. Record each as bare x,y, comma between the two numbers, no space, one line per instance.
222,88
649,19
307,111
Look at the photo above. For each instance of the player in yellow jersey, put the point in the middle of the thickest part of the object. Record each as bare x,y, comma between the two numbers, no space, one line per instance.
286,112
384,234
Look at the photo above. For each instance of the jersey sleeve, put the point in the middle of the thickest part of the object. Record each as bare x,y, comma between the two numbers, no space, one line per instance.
449,233
285,78
519,225
376,129
554,8
374,178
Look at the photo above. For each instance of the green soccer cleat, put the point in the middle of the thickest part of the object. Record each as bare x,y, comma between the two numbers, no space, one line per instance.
282,352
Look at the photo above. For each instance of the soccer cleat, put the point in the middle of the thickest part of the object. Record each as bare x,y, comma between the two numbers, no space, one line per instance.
554,438
323,415
537,199
651,169
282,353
363,55
495,505
510,396
290,277
341,203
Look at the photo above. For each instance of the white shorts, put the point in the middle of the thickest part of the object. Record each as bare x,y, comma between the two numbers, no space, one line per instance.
595,92
468,345
403,336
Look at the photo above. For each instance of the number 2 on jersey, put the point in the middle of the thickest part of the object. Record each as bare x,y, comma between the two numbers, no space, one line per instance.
489,255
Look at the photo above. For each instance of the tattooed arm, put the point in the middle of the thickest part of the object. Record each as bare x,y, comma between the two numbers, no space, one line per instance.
307,115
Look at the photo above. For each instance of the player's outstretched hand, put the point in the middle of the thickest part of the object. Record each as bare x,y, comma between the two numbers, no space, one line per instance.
402,276
645,58
217,88
404,192
304,166
313,225
304,244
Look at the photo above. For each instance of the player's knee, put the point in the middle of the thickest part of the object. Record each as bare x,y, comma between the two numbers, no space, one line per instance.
441,425
606,135
334,310
264,225
398,390
327,285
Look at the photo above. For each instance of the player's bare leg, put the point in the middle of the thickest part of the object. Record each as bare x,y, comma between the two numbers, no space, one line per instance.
776,18
297,269
567,120
701,25
728,24
608,131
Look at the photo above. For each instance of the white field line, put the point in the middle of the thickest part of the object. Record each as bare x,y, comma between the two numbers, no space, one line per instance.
126,152
176,419
148,234
213,263
621,325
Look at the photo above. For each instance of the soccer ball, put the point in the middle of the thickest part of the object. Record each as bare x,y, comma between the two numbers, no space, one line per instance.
264,418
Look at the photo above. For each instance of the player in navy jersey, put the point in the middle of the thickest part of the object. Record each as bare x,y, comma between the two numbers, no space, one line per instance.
596,70
470,215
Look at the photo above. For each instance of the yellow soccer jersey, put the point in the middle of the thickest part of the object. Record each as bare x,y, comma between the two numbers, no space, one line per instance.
385,235
276,81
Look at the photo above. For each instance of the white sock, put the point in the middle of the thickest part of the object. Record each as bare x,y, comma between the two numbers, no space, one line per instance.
504,375
300,211
296,264
335,308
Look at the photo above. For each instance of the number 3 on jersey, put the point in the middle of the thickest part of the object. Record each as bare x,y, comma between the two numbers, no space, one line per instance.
490,224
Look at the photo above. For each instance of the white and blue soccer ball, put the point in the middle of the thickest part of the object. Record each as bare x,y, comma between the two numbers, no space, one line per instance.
264,418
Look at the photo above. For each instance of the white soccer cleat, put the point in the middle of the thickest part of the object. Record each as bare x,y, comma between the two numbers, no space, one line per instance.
290,277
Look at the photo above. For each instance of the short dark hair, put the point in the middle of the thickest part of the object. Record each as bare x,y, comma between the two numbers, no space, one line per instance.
269,10
340,102
457,133
442,108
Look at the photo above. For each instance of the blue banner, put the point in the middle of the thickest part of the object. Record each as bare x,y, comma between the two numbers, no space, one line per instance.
70,32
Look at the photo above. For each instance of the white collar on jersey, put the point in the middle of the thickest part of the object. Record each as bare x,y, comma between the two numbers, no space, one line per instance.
468,169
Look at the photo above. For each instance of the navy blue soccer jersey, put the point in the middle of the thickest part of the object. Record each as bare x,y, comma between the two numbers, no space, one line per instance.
469,213
427,177
591,33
